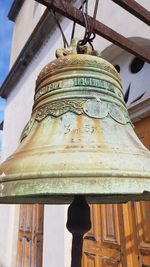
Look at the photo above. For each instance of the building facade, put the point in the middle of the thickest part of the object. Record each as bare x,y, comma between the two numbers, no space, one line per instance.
35,235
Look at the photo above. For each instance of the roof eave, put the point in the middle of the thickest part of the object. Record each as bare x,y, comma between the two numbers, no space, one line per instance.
15,8
140,109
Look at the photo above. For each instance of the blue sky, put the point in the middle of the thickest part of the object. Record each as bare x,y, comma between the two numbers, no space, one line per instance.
6,28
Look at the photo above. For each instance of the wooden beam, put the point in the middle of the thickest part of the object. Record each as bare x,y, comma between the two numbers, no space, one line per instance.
135,9
69,11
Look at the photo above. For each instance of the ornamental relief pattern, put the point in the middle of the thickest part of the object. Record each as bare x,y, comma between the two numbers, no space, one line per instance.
93,108
67,62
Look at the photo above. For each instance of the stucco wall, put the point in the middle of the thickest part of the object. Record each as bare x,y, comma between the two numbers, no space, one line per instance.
27,19
18,110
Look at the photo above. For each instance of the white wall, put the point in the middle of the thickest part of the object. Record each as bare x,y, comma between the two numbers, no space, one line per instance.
9,218
28,17
139,81
57,240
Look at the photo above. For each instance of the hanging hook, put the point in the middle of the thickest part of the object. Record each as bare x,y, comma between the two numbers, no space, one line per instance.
89,35
85,16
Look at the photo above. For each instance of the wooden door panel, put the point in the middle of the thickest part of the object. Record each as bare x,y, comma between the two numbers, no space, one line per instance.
24,249
142,220
94,250
90,260
115,245
103,241
109,263
30,236
95,261
142,211
142,129
109,217
144,260
95,231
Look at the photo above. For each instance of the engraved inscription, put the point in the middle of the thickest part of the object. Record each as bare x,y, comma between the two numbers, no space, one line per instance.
49,88
78,131
89,129
93,82
67,128
79,81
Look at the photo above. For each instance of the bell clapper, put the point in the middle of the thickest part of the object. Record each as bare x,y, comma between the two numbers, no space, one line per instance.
78,224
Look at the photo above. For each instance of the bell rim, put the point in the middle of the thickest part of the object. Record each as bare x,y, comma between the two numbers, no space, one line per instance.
55,190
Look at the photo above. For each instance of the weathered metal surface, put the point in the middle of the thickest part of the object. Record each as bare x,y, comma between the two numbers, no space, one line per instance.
67,10
79,140
135,9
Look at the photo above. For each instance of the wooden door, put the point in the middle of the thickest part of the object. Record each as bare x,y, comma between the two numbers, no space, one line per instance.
110,242
30,236
120,234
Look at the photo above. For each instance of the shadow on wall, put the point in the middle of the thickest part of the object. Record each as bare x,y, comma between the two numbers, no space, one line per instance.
134,72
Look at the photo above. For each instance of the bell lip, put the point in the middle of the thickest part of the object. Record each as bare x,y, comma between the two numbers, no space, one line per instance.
61,190
73,174
61,199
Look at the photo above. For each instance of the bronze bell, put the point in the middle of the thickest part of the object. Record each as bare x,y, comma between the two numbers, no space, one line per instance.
79,140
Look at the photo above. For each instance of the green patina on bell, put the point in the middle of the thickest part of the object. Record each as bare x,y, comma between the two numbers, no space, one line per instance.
79,140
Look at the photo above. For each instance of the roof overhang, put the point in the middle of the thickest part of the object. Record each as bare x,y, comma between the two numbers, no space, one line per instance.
15,8
1,125
140,109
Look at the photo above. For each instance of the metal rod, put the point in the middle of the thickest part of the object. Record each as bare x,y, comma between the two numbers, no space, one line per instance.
76,255
74,23
135,9
78,224
60,28
94,17
100,29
